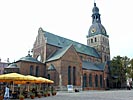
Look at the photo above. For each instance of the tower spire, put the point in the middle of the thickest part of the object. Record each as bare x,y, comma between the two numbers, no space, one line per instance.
97,36
94,2
95,15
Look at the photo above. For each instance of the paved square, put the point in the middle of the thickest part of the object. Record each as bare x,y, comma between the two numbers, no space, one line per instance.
92,95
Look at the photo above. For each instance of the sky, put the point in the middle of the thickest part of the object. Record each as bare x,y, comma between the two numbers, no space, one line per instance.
21,19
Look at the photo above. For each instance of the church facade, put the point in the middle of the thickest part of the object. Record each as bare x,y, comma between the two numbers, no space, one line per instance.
72,63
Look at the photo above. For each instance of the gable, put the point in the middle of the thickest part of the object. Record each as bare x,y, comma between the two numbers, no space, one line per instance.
71,55
40,39
66,53
58,54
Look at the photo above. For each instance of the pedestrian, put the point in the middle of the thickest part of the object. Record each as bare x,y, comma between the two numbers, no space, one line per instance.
128,85
6,95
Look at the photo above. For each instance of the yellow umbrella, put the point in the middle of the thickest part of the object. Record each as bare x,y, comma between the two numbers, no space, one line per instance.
45,80
21,82
34,79
13,77
42,80
49,81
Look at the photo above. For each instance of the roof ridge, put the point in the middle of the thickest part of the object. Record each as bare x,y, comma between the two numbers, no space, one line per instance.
67,38
59,41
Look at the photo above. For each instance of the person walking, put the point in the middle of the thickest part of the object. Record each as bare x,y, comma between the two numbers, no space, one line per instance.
6,95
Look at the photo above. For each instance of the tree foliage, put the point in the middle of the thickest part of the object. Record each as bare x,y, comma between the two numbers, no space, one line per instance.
130,69
119,68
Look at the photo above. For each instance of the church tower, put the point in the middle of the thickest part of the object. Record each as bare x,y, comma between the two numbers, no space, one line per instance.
97,36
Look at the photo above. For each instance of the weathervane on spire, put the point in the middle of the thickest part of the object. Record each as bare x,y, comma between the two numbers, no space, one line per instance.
94,2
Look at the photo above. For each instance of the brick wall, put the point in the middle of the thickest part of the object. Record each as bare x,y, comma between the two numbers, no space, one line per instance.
25,68
94,73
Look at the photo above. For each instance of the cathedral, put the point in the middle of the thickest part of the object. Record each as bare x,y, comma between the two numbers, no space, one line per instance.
72,63
68,62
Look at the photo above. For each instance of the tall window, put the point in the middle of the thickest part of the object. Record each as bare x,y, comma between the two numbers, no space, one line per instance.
74,76
95,39
91,40
105,57
90,80
31,70
107,82
101,81
96,81
69,75
84,80
37,71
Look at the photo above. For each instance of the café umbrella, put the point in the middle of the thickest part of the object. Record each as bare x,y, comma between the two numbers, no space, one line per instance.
14,77
35,80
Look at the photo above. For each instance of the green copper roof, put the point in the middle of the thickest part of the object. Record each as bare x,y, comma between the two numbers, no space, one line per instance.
92,66
13,65
97,28
58,41
29,58
59,53
101,65
51,67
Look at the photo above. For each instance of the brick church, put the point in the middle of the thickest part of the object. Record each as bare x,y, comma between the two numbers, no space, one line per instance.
68,62
72,63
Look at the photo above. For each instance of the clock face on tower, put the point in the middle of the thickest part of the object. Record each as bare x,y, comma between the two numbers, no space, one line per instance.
93,30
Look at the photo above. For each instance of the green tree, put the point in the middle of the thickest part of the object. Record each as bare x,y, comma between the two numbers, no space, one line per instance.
130,69
118,69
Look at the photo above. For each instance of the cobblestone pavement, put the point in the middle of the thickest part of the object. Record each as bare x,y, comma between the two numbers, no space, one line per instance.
92,95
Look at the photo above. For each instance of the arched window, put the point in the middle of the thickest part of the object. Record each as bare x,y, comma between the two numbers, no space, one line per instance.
96,81
91,40
74,76
90,80
95,39
37,71
107,82
105,57
31,70
84,80
101,81
69,75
